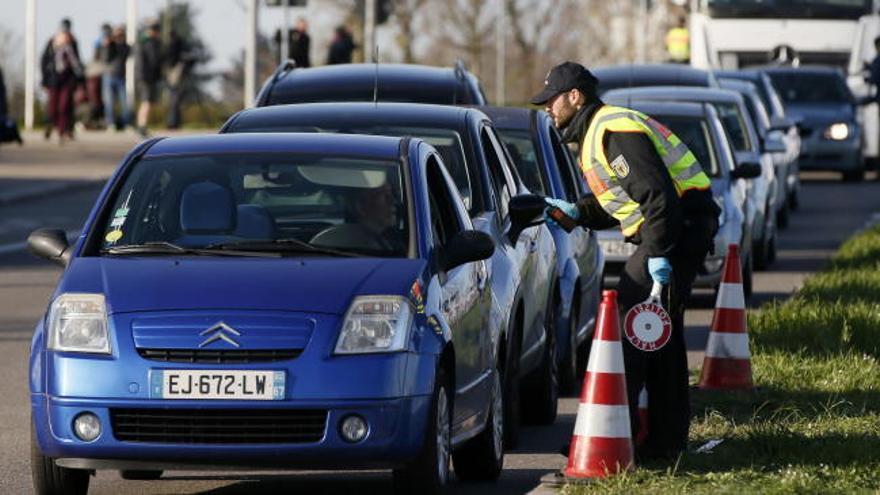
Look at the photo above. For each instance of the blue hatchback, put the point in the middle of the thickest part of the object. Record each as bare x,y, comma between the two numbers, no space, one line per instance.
290,301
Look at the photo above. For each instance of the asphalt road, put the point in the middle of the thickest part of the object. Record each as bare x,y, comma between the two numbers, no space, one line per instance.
830,212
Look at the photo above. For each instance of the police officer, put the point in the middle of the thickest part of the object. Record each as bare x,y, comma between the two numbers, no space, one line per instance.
648,183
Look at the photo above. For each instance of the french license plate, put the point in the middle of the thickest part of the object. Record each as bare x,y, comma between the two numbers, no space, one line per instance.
212,384
617,247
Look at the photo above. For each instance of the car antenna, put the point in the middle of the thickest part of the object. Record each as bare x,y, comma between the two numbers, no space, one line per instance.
376,78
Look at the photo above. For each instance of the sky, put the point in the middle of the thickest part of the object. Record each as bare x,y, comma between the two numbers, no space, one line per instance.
221,23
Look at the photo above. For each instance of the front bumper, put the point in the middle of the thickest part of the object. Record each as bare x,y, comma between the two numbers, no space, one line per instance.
818,153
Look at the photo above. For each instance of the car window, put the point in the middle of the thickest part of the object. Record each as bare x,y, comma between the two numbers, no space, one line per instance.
339,202
735,124
696,135
444,221
568,170
525,158
447,142
758,112
500,183
805,87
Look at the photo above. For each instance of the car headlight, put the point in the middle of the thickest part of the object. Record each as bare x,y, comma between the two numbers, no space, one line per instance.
375,324
78,323
837,132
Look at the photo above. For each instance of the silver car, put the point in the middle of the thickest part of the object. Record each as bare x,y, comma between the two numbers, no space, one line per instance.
698,125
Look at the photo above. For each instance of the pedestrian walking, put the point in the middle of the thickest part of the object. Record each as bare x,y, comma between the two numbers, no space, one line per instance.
647,182
299,44
150,75
113,83
678,42
62,70
341,47
179,58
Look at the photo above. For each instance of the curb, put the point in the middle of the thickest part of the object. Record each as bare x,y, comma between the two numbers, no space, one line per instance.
50,187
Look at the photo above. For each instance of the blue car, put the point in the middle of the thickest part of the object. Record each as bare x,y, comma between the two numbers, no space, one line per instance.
272,300
548,168
521,274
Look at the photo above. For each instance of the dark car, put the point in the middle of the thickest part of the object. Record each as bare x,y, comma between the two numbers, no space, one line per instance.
521,272
547,168
825,109
285,301
636,75
404,83
783,127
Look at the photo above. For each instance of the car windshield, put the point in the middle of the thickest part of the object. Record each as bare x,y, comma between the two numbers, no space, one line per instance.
735,124
412,93
794,9
447,142
522,150
695,134
268,202
805,87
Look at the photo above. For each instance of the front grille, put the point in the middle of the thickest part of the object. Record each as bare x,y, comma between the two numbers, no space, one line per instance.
234,356
214,426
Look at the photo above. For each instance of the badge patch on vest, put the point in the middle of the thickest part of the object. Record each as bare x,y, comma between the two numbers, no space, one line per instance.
620,167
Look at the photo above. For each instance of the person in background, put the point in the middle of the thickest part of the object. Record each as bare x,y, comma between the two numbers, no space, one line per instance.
8,128
179,60
150,75
678,42
61,70
114,81
95,71
300,43
341,47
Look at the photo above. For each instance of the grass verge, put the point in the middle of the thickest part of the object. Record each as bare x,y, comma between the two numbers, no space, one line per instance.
813,424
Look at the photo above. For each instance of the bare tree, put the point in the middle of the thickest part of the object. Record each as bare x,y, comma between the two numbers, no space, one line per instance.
406,12
465,26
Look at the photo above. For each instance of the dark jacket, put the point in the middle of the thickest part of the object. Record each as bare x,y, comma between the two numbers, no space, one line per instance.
298,47
116,56
51,77
4,110
150,61
340,50
648,184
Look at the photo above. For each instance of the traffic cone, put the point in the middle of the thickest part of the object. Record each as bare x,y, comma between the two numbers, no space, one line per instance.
727,364
602,439
643,417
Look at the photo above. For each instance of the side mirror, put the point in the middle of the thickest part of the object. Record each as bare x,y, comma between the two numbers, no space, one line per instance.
781,123
526,210
50,244
746,170
466,247
773,143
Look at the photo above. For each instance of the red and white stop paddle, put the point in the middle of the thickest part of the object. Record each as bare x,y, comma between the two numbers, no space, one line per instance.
647,325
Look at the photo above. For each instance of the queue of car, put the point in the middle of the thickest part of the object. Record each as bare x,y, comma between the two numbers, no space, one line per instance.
357,274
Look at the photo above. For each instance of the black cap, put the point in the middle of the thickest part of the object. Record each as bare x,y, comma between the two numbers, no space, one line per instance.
565,77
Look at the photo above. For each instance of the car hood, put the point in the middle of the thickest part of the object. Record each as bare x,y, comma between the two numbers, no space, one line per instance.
317,285
808,113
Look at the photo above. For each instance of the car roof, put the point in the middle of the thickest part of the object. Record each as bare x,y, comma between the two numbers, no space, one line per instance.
381,147
354,113
510,117
804,69
352,77
741,85
624,75
666,108
677,93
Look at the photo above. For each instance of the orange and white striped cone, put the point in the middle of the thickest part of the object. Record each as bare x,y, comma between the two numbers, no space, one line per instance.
643,417
602,439
727,365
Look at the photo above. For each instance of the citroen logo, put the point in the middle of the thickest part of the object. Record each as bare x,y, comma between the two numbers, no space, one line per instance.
220,331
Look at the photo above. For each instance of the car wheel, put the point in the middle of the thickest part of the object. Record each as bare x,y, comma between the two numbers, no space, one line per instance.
771,250
568,371
429,472
50,479
510,384
854,175
482,458
140,474
759,250
782,216
793,200
542,390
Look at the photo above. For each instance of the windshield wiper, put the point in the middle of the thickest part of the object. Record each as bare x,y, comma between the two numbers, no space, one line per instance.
165,247
286,245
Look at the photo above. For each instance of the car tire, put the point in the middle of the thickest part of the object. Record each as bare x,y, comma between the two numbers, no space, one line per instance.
857,175
50,479
511,384
759,250
771,251
428,473
782,216
542,390
140,474
482,457
794,201
568,370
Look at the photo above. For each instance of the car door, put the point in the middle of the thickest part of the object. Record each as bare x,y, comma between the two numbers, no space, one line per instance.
464,300
525,252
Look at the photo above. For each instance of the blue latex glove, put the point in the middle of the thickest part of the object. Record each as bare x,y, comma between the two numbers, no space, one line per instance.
660,270
569,209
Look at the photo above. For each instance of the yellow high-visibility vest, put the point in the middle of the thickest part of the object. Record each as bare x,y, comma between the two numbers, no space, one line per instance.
603,177
678,44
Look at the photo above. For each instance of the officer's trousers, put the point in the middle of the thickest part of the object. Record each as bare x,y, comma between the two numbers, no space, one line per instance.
664,372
